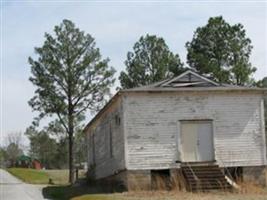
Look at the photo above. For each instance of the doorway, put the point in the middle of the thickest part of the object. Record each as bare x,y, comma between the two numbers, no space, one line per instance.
197,141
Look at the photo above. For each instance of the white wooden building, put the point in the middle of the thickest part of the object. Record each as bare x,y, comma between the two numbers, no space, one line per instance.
187,119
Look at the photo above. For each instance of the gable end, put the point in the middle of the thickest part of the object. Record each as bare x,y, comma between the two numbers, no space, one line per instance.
189,78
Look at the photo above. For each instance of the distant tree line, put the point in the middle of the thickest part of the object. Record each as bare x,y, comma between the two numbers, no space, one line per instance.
11,149
71,77
50,146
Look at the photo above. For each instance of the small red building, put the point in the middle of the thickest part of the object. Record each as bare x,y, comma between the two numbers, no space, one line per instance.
36,164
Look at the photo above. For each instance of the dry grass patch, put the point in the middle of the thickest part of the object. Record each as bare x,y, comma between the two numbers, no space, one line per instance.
248,191
176,195
251,188
162,195
88,193
97,197
61,176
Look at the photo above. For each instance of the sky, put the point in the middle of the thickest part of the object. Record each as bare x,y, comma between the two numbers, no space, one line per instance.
116,26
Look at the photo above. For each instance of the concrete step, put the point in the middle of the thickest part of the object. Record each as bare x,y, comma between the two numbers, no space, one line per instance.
199,163
206,188
204,176
202,168
206,179
202,172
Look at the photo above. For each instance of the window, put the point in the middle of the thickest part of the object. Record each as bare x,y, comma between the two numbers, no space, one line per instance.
117,120
93,147
110,141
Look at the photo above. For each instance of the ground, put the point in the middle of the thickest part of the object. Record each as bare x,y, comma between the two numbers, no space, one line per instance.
157,195
172,196
30,175
60,190
33,176
12,188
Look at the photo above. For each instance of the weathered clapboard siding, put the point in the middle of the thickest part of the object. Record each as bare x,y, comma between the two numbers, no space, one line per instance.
106,143
152,127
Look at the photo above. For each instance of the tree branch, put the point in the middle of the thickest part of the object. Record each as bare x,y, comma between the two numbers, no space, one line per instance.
62,121
85,108
80,53
83,91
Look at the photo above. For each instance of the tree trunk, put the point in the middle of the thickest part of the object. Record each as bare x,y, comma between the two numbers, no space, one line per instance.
71,131
70,127
71,166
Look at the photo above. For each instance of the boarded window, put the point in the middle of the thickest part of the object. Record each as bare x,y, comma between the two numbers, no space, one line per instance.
93,147
117,120
110,141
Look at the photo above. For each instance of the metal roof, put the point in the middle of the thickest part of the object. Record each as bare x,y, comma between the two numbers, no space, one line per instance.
188,81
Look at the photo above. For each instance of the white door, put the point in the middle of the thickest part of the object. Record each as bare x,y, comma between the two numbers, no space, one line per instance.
189,142
197,141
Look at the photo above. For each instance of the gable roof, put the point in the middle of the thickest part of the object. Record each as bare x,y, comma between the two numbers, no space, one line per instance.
187,81
189,78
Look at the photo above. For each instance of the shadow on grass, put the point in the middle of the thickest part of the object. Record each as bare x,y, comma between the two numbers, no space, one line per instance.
67,192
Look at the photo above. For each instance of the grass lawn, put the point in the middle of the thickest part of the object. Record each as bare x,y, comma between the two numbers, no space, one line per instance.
30,175
59,177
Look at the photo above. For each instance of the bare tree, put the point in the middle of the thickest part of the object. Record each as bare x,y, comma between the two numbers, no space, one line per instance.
13,147
15,138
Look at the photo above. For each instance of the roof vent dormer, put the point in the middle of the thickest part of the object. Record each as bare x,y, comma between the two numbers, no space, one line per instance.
189,79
